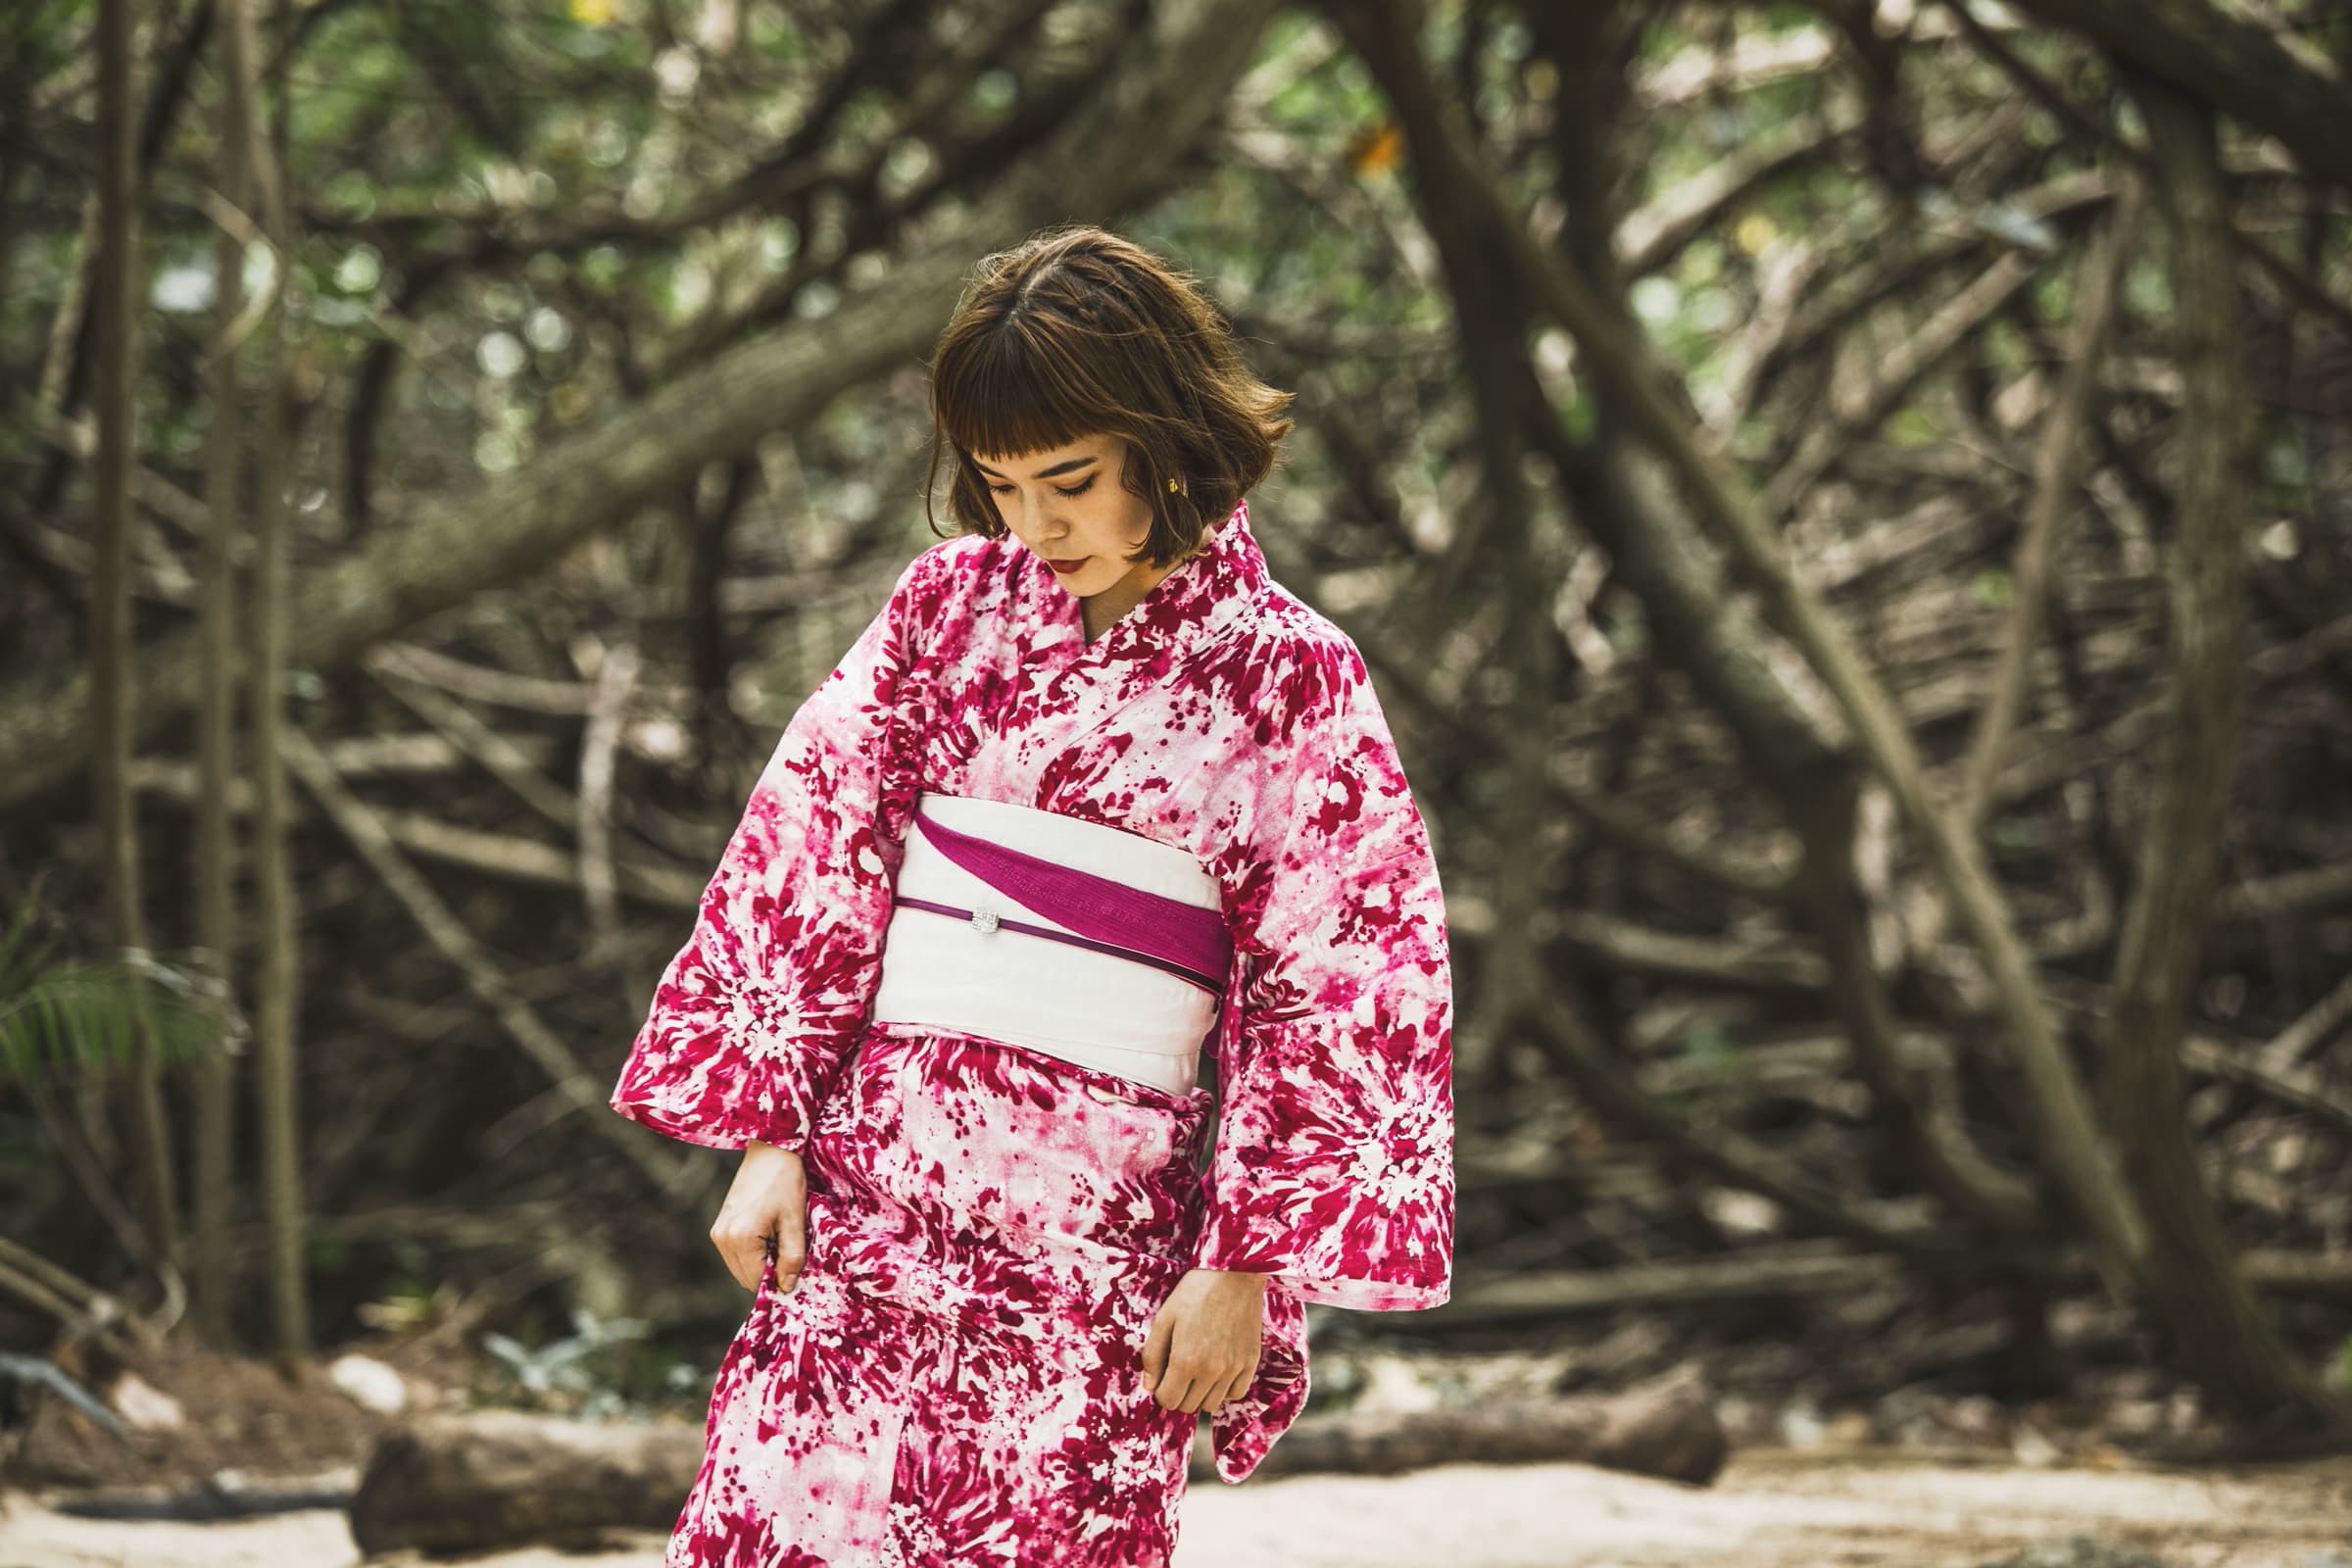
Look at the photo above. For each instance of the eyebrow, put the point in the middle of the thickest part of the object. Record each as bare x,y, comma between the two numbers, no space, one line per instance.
1042,473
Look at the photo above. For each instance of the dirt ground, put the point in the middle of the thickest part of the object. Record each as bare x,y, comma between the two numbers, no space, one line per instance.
1770,1510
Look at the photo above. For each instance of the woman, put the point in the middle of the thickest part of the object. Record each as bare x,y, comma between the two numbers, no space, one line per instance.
1091,797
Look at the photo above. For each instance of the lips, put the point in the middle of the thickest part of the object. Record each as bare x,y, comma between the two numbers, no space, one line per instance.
1065,568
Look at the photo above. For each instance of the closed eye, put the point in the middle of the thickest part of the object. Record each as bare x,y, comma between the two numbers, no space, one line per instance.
1074,492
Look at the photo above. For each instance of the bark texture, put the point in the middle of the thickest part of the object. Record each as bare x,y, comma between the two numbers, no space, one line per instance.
2217,1325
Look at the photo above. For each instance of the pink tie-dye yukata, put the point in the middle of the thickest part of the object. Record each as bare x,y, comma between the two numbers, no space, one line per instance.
991,1229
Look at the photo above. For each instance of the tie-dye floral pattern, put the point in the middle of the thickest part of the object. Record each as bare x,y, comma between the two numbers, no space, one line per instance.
992,1229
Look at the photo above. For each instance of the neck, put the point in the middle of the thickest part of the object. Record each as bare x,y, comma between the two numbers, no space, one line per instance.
1099,611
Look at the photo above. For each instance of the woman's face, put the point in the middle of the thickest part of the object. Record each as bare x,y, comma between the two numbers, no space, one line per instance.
1069,506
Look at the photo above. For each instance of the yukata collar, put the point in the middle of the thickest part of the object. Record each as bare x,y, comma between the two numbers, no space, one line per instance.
1206,594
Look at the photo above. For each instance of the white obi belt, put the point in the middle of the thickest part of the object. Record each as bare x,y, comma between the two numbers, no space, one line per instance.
1085,942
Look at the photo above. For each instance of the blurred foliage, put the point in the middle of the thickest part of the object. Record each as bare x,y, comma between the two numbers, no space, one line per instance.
602,1370
515,222
71,1018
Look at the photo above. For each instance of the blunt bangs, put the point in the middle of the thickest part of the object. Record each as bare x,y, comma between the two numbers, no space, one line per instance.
1078,333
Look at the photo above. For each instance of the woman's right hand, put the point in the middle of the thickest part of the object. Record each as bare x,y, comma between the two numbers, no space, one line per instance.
768,1204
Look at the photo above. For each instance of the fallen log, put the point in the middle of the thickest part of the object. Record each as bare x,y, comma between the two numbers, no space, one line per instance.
1668,1432
1800,1269
491,1480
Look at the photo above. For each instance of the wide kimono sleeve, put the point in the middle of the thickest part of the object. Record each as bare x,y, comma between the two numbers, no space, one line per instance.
1332,1168
754,1015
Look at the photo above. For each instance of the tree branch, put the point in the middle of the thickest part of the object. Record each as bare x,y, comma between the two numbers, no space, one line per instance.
2232,64
1119,151
442,927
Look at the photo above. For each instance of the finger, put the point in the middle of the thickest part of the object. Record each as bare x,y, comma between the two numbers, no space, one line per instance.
1238,1382
1214,1391
1220,1390
1183,1387
1242,1382
790,1250
1155,1351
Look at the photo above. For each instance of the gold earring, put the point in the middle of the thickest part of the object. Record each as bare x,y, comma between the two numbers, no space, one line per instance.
1172,485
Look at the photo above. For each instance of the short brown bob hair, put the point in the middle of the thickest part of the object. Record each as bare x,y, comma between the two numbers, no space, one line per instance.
1075,332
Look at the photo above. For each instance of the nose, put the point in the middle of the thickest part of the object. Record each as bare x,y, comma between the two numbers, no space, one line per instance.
1030,527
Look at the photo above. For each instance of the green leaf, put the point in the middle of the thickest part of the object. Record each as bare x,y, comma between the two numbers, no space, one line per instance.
1709,1047
1912,428
85,1018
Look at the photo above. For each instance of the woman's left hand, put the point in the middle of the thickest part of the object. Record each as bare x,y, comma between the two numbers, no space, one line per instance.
1204,1343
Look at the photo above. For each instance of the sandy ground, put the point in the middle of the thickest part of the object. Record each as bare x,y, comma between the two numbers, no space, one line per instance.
1769,1510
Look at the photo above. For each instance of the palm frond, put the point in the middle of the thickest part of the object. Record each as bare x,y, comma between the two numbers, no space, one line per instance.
86,1017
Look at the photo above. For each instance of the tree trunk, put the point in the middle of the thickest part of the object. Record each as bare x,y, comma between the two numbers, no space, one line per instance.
2234,63
2219,1331
113,702
1622,364
214,1110
278,1121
